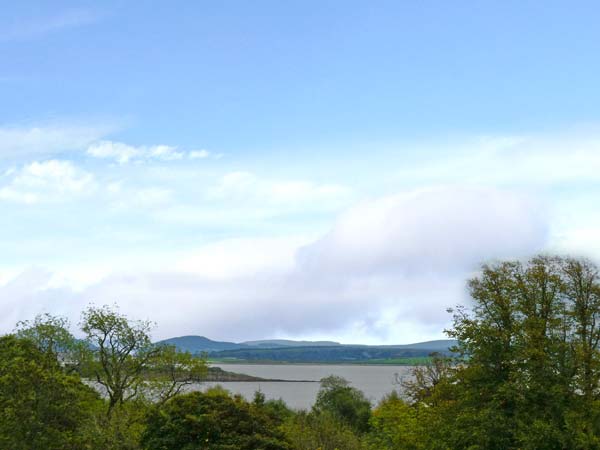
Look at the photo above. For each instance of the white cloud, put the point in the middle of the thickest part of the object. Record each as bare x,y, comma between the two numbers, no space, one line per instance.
385,272
52,180
199,154
118,151
22,142
530,159
164,152
244,186
145,197
242,257
435,229
124,153
580,241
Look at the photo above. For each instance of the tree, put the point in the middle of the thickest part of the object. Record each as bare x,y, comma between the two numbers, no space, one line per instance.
427,377
212,420
582,287
310,431
345,403
51,335
530,346
123,351
395,425
40,405
128,365
170,371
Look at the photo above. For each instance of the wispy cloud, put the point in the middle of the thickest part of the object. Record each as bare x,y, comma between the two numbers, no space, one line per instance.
50,139
51,180
245,186
33,27
124,153
534,159
123,197
198,154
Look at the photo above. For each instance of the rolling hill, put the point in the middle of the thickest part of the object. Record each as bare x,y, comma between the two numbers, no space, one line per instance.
199,344
275,343
280,350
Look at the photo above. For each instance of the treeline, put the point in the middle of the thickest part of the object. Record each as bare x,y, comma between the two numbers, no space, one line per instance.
322,354
525,374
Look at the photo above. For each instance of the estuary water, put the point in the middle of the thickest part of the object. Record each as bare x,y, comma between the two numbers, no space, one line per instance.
374,381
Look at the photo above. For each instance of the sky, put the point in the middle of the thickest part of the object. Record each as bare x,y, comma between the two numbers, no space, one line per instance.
302,169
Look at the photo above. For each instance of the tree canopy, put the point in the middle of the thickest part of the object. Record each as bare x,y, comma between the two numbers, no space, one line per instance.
41,407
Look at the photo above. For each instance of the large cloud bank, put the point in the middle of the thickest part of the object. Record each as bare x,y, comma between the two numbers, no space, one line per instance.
385,272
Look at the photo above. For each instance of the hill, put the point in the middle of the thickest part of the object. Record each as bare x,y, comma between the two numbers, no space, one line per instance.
274,343
199,344
282,350
336,354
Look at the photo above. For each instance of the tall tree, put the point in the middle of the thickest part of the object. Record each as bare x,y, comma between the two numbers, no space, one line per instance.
343,402
128,365
530,346
41,407
212,420
51,335
123,351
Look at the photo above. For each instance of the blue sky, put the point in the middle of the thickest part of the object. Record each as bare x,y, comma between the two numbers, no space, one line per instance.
250,169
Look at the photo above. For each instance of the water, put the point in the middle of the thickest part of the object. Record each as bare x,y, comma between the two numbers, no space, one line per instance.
374,381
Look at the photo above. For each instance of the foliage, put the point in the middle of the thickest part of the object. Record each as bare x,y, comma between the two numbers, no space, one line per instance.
123,352
169,371
343,402
213,420
425,378
533,366
310,431
395,425
123,428
41,407
128,365
51,335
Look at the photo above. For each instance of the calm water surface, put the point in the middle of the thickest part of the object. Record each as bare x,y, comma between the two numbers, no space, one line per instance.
374,381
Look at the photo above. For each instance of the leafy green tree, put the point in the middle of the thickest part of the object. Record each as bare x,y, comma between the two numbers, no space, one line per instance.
529,346
128,365
213,420
345,403
310,431
123,351
51,335
169,371
581,284
425,378
41,407
276,410
395,425
122,430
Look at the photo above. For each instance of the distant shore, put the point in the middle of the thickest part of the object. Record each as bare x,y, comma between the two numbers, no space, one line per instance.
218,375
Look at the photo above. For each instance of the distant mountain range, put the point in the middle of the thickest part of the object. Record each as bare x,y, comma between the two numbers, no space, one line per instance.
275,343
199,344
282,350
